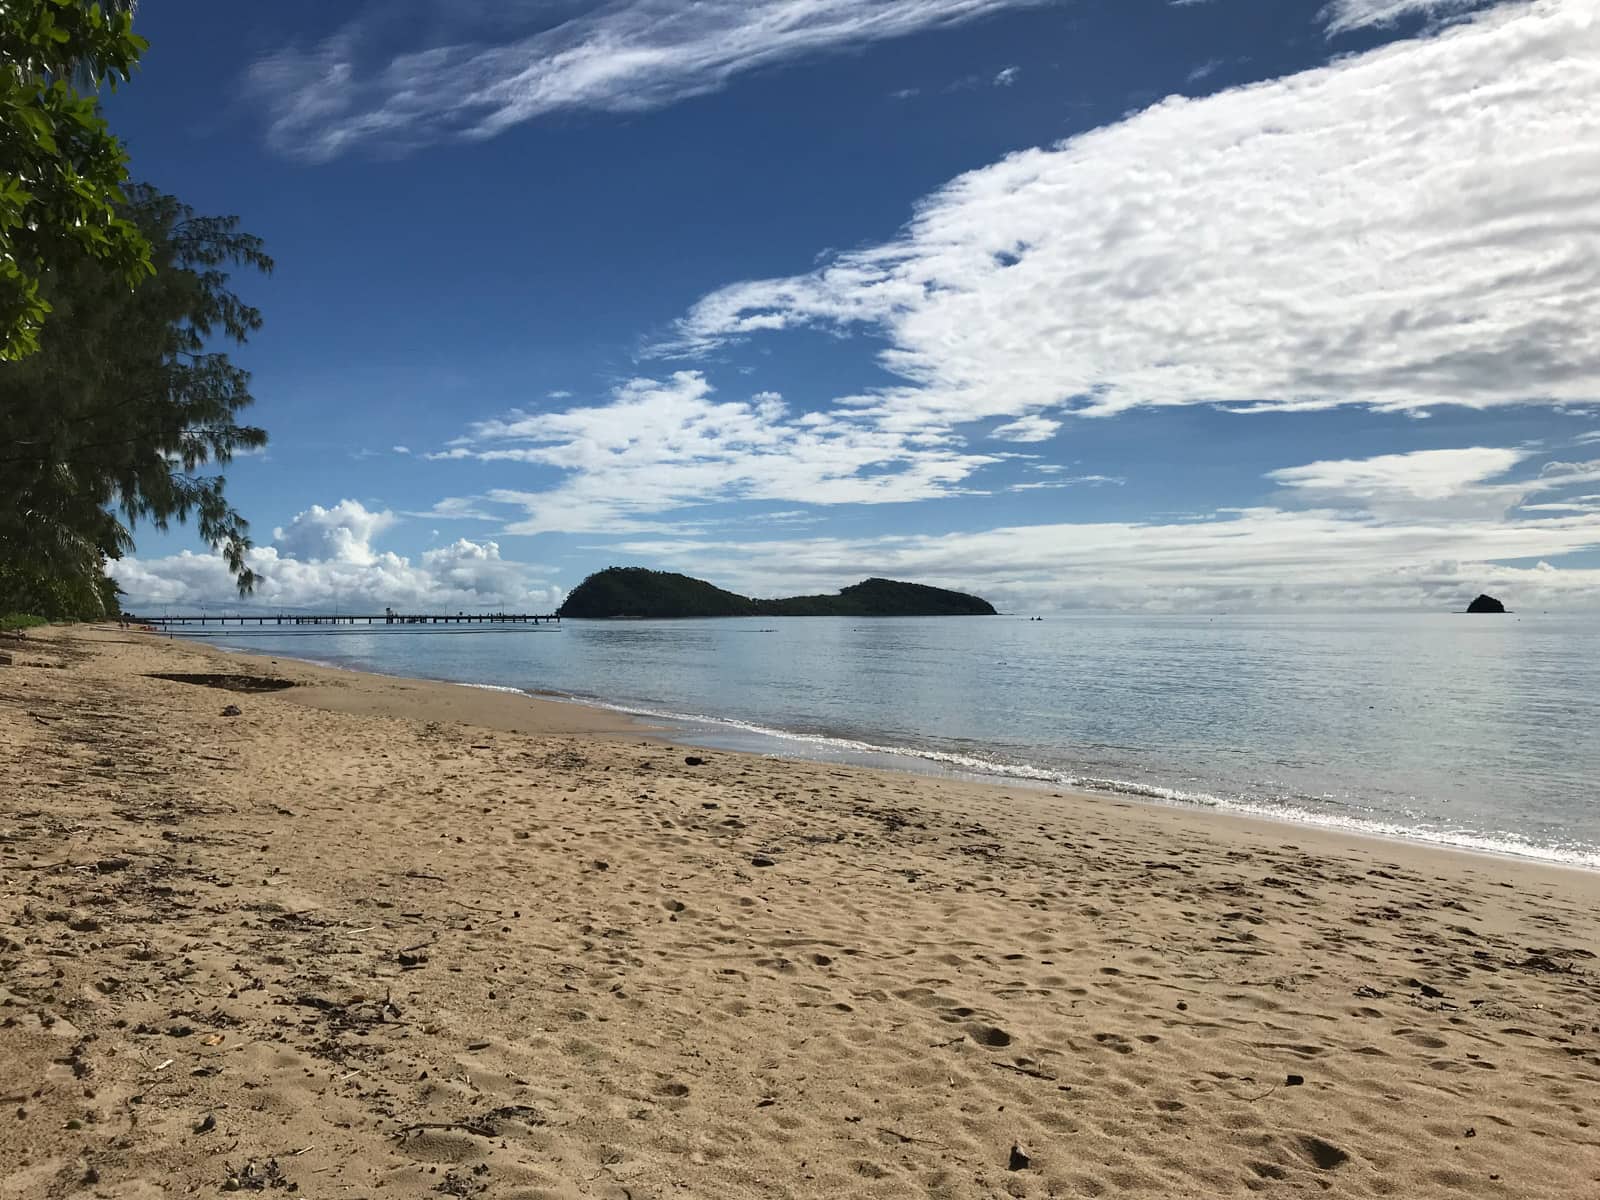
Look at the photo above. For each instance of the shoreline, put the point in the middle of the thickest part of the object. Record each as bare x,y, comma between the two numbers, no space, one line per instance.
372,936
678,728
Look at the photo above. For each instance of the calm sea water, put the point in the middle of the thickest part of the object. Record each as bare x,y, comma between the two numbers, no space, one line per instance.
1473,731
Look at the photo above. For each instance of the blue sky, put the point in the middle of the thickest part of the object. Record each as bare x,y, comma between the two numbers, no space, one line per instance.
1133,304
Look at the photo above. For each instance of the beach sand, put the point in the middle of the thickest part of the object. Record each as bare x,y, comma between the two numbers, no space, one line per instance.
382,938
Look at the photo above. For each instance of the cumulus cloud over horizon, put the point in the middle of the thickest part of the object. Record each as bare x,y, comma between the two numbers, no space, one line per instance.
324,558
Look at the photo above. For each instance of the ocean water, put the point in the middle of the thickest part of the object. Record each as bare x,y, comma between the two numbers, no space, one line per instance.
1480,732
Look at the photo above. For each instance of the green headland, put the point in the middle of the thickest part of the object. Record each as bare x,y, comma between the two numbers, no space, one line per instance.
619,592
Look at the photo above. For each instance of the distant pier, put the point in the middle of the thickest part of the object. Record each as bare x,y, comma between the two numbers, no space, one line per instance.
387,618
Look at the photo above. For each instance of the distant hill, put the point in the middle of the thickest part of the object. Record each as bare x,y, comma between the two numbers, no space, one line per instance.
638,592
880,598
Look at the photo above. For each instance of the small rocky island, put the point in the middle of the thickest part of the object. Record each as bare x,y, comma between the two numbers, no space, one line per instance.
636,592
1486,604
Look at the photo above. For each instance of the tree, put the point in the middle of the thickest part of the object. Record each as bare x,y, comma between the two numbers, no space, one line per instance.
61,171
55,597
88,74
111,421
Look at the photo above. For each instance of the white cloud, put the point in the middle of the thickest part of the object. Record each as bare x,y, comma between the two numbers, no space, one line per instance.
1032,428
1067,481
1442,485
455,508
324,558
1421,474
625,56
1353,547
661,445
1342,16
1006,76
1252,558
1408,228
342,533
1428,529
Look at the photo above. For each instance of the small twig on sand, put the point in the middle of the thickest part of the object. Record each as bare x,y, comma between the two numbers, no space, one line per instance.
425,875
481,1129
906,1140
1262,1096
1033,1072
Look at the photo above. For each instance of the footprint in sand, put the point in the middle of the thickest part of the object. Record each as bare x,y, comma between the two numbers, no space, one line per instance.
991,1036
1114,1041
1325,1155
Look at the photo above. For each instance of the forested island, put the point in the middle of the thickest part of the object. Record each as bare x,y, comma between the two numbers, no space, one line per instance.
619,592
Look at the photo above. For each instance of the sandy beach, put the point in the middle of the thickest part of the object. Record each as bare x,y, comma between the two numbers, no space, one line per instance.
370,937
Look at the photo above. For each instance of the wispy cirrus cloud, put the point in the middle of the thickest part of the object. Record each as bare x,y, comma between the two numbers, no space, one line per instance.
1411,227
625,56
1342,16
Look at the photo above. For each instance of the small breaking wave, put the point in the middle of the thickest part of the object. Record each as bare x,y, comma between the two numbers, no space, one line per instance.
831,746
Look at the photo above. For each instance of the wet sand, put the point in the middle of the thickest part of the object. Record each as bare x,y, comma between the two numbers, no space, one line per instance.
377,937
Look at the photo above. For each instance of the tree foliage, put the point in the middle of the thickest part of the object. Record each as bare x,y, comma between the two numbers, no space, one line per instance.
48,596
61,170
114,418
